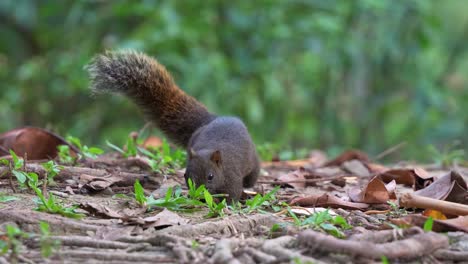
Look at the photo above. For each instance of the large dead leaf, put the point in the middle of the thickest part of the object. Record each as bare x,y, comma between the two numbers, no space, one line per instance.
356,167
326,200
347,156
450,187
375,192
163,219
416,177
36,143
102,210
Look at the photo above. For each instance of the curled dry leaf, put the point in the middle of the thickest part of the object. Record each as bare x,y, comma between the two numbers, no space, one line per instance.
347,156
327,200
450,187
411,177
36,142
375,192
96,183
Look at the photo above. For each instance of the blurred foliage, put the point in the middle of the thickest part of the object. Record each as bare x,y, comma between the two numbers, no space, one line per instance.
327,74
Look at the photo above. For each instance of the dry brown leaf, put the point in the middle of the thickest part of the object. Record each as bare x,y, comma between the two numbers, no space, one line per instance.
295,179
152,142
36,142
450,187
163,219
108,212
376,168
374,192
326,200
356,167
347,156
100,210
97,183
417,177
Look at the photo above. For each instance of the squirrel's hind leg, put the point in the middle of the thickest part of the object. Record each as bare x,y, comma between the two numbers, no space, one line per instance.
251,178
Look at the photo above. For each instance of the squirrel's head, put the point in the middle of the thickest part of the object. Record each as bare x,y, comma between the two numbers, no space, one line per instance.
206,167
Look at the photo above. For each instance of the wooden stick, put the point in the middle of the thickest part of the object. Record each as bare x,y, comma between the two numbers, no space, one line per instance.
303,181
417,201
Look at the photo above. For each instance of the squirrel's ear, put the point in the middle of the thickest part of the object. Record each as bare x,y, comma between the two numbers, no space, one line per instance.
216,157
192,153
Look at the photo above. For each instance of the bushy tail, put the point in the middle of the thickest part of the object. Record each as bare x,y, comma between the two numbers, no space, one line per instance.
150,86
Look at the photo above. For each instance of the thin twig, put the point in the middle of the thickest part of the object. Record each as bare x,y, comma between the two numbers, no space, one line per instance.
390,150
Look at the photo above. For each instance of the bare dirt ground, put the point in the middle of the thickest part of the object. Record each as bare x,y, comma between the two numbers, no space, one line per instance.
116,229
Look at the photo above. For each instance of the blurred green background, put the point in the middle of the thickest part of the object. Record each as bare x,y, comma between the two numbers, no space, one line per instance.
328,74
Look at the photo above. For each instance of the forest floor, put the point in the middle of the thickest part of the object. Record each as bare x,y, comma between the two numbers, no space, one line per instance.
375,214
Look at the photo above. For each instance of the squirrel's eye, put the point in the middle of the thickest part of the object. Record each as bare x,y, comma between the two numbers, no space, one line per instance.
210,176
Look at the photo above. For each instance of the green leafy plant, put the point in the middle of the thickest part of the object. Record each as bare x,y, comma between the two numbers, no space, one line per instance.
139,193
65,155
216,209
259,201
7,198
195,192
47,244
52,170
31,180
385,260
267,151
130,149
323,221
50,204
12,244
448,156
428,224
396,211
174,200
165,157
88,152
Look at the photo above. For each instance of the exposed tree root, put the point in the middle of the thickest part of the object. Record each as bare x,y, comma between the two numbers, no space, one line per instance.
223,252
444,254
278,247
386,235
82,241
229,226
106,256
413,247
28,221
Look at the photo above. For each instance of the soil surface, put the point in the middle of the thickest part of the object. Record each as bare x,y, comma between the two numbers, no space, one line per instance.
116,229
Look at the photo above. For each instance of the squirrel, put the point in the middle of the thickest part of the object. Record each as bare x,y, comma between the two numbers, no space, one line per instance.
221,154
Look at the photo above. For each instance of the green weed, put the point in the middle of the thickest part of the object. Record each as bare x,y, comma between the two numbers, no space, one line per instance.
448,156
323,221
47,244
259,201
12,244
52,170
428,224
139,193
87,152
